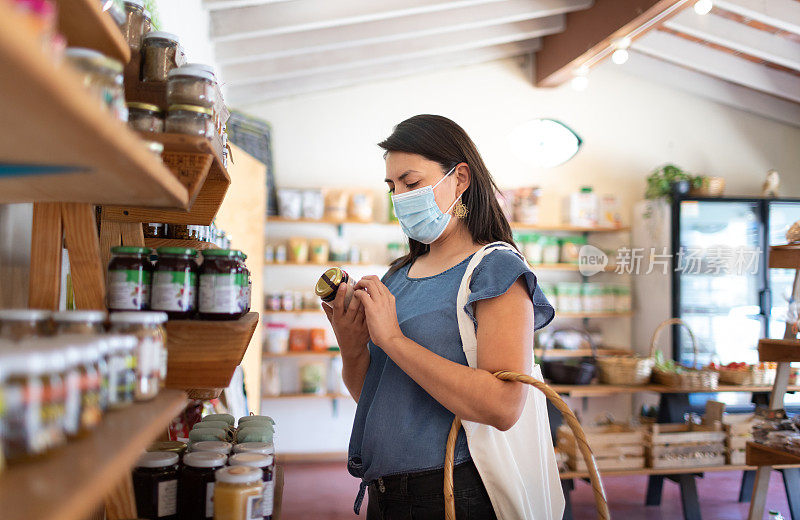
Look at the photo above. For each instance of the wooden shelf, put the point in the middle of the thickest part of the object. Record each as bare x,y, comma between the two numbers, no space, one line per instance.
760,455
663,471
155,243
593,315
310,353
778,350
207,189
567,228
560,353
64,146
601,389
784,257
306,396
69,483
84,24
204,354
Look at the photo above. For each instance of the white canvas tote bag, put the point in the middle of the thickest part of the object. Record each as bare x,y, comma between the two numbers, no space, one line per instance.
518,466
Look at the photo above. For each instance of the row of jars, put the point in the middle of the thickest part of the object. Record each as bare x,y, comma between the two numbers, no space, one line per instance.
55,387
210,233
214,480
218,289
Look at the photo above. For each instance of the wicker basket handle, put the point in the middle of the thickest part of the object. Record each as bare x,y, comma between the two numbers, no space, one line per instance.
571,420
673,321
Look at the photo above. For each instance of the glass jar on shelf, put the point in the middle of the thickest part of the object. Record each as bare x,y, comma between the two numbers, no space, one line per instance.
129,275
161,53
151,352
133,26
79,322
145,117
102,77
189,120
19,324
191,85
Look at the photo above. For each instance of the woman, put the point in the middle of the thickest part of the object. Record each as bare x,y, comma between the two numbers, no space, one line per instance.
400,342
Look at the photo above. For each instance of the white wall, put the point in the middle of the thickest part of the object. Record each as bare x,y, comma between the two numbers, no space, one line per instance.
629,126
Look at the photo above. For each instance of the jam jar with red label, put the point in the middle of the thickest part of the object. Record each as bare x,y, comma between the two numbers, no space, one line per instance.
129,275
175,282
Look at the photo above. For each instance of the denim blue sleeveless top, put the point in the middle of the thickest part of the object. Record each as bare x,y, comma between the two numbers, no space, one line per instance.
399,427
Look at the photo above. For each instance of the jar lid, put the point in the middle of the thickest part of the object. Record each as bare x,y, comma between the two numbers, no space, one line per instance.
191,108
137,3
226,253
182,251
239,475
23,315
140,317
120,342
19,362
329,282
161,35
202,66
257,418
222,425
157,459
228,418
193,71
73,356
172,446
215,446
79,316
204,459
131,250
97,58
252,459
143,106
90,352
54,359
265,448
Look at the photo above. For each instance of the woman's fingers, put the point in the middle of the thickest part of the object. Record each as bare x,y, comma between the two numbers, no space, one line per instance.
364,298
352,309
328,312
338,302
372,284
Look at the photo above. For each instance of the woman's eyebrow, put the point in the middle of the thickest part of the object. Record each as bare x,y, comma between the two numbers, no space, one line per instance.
402,175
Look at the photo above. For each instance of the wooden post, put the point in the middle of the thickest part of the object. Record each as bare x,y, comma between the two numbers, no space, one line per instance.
83,245
132,234
110,236
45,278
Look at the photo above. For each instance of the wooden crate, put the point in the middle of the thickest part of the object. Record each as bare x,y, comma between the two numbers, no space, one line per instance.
676,445
739,431
615,446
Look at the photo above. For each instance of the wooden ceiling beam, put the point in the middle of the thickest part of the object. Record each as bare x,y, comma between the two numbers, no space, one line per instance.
470,18
783,14
720,64
246,95
591,34
420,46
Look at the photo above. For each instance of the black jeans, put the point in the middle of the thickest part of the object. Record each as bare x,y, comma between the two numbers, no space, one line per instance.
420,496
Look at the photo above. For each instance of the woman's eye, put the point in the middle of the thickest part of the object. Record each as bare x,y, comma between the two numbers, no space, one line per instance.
410,186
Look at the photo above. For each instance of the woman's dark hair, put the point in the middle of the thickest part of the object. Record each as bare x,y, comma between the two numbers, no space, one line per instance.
439,139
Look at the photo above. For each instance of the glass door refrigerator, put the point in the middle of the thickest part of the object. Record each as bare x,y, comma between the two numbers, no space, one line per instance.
721,286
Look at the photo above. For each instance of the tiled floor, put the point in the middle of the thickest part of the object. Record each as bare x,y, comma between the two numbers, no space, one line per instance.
326,492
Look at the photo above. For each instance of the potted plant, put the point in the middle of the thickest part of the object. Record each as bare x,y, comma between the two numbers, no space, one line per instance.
670,180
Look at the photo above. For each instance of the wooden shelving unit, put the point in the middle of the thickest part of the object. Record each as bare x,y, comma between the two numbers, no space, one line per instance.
84,24
64,148
560,353
761,455
69,483
202,355
601,389
155,243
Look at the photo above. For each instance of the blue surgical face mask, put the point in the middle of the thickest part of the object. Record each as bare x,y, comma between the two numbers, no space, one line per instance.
419,215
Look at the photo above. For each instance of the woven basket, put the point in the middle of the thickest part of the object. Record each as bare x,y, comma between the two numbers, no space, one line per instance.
752,377
690,377
625,370
571,420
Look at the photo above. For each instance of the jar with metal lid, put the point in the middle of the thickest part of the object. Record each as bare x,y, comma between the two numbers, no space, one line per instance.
154,230
238,493
222,447
170,446
175,282
121,370
155,485
263,462
19,324
145,117
129,275
160,54
246,283
264,448
221,285
102,76
151,353
329,282
133,27
196,484
189,120
91,410
52,377
79,322
191,85
23,392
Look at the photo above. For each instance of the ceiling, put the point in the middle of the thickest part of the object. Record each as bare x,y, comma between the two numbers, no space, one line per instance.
744,53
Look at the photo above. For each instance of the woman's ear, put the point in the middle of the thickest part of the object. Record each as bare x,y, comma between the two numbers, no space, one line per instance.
463,177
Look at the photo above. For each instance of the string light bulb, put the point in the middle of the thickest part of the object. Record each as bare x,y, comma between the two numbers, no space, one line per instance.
703,7
620,56
579,83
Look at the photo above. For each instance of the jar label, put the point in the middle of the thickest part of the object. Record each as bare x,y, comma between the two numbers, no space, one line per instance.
222,293
149,354
72,406
266,501
210,500
254,509
22,432
128,289
167,498
173,291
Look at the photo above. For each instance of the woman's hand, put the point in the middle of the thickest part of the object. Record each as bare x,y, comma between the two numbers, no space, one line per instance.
349,324
381,312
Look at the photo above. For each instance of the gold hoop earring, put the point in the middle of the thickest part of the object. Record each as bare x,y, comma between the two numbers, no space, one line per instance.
460,210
